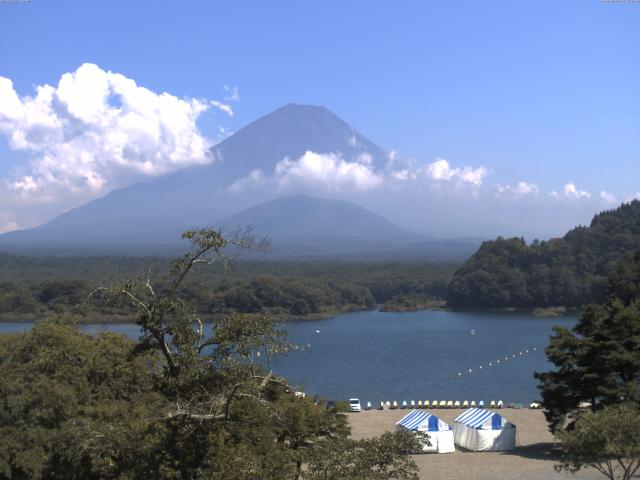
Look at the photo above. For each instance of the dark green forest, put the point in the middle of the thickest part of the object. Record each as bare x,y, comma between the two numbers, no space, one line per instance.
177,403
568,271
31,287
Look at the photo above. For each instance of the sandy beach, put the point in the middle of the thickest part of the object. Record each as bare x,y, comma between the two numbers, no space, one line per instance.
533,459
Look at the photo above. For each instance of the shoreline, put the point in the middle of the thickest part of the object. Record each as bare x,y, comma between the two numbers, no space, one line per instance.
541,312
534,457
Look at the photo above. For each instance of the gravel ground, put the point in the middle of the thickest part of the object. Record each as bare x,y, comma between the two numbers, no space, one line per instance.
533,458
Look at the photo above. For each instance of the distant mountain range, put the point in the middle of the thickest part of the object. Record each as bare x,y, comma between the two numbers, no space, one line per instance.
304,226
149,217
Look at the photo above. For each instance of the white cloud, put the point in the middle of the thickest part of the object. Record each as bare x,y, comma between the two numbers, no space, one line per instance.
441,170
225,107
27,184
96,129
571,191
365,158
525,188
255,178
608,197
233,95
329,170
392,159
521,189
404,174
333,172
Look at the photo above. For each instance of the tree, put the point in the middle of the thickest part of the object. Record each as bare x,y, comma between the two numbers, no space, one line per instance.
368,459
74,405
598,361
568,271
607,441
301,424
187,400
229,417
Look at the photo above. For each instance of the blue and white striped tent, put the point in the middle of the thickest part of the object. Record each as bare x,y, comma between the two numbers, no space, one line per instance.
421,421
440,433
480,418
478,429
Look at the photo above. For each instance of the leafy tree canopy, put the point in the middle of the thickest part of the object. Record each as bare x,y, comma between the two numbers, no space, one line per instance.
598,361
607,441
185,401
568,271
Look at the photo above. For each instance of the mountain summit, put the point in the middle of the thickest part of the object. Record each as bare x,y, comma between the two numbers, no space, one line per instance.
289,132
152,214
313,220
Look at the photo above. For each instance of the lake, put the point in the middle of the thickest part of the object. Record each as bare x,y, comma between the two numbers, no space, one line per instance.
426,355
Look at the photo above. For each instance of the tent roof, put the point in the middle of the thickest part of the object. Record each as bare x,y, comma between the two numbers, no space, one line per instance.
477,417
417,418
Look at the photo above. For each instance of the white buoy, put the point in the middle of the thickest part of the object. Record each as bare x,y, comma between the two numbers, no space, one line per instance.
317,331
489,363
480,366
459,374
469,370
498,361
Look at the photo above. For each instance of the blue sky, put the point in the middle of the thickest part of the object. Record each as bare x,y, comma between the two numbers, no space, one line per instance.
543,92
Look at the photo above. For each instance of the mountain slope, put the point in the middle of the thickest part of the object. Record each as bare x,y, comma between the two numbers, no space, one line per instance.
569,271
300,225
289,132
304,227
150,214
301,217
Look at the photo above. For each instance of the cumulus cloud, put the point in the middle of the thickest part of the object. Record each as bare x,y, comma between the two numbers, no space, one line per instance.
404,174
256,177
570,190
96,128
520,189
329,170
608,197
441,170
332,172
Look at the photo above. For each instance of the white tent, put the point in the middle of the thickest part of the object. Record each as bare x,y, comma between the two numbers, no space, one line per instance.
482,430
440,433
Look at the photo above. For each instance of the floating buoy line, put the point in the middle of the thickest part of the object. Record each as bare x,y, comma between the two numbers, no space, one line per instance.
498,362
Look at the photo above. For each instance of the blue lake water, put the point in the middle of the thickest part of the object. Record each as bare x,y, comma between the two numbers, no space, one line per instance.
410,356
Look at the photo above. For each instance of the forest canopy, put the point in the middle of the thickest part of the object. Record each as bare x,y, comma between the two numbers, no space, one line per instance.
31,287
568,271
180,402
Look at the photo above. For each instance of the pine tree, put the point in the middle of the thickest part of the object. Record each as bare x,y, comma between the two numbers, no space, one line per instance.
598,361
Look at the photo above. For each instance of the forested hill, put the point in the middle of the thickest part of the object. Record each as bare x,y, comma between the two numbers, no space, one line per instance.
568,271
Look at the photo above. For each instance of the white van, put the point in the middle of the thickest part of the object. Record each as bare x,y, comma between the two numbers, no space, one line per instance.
354,405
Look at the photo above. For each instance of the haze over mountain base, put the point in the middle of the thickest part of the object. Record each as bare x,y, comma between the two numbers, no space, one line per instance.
257,178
